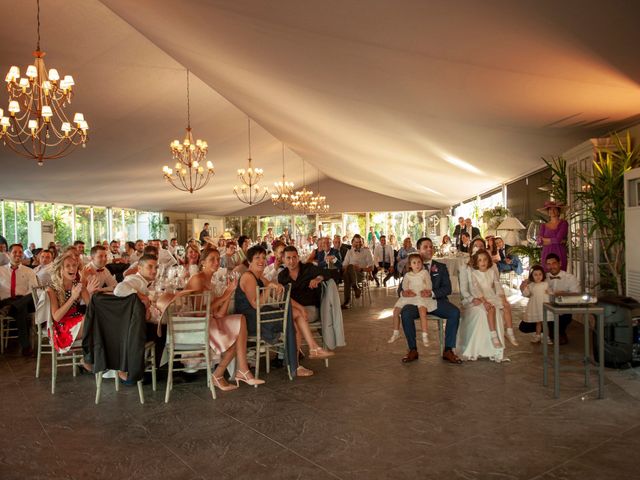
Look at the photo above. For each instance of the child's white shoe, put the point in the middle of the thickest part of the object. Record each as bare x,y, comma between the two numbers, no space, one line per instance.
536,338
425,339
511,337
394,336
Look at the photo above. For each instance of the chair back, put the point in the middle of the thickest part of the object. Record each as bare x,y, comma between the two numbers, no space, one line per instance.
272,306
42,306
188,320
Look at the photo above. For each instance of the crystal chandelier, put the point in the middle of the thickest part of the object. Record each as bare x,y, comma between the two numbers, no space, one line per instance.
36,125
302,198
249,192
283,195
189,156
318,203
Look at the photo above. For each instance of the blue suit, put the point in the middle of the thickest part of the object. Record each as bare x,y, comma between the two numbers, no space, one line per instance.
441,288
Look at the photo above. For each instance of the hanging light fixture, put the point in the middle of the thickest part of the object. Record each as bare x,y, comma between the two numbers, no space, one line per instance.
283,195
36,125
189,156
302,198
249,192
318,203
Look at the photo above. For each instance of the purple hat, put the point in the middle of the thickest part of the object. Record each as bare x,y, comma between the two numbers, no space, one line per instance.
551,204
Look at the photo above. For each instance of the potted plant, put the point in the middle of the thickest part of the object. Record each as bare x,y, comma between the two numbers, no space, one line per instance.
492,217
602,201
557,185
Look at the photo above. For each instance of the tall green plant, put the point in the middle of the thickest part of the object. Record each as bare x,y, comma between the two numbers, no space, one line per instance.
602,201
558,182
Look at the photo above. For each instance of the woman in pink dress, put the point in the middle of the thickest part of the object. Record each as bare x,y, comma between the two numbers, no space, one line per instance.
227,333
553,234
65,294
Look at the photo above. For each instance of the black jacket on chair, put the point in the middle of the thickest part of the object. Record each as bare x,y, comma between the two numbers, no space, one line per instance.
114,334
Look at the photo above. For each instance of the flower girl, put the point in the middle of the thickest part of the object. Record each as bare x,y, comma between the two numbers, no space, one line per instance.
537,289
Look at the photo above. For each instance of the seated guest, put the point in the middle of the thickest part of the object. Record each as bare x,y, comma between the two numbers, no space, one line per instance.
228,259
306,295
343,248
165,244
54,249
227,333
446,244
173,247
133,268
191,261
355,266
65,296
129,250
222,244
441,289
139,251
403,255
493,249
113,254
241,255
28,253
44,269
164,257
507,261
139,282
393,242
96,268
325,256
16,282
383,258
4,256
79,246
560,283
272,270
465,243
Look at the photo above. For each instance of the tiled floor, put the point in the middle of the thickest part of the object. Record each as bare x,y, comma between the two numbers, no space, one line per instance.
367,416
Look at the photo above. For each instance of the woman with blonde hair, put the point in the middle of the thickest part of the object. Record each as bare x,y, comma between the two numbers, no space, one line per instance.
65,295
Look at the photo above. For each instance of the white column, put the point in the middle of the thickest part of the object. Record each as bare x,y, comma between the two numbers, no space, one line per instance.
91,227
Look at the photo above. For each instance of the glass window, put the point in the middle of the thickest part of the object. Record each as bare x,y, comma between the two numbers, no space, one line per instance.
415,225
278,223
355,223
117,227
10,221
331,224
63,224
156,227
100,232
250,227
130,225
143,226
22,217
43,211
83,225
232,226
305,225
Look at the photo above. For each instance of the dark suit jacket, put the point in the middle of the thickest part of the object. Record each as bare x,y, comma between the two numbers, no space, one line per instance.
344,248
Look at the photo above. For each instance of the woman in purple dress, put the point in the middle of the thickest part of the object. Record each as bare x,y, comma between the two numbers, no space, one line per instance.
553,234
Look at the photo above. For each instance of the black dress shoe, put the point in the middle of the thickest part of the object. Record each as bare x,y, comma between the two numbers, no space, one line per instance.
345,306
411,356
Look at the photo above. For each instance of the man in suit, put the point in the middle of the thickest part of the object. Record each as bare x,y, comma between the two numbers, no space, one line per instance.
441,289
507,261
470,229
465,243
343,248
384,259
458,231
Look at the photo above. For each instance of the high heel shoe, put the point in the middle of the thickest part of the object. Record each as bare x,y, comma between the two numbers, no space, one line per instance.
320,353
242,377
224,388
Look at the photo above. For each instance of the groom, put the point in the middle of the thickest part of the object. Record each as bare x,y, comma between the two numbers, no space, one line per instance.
441,288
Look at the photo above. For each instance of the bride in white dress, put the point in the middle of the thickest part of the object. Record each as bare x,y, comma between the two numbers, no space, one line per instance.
474,335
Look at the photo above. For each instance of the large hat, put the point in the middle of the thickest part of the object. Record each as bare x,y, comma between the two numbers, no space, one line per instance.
551,204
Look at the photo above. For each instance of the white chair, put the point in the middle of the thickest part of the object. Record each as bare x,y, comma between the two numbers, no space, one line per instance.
363,285
150,366
440,330
271,307
7,331
71,358
43,312
188,336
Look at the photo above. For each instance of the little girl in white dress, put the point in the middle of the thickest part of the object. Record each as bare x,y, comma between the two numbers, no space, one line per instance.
486,287
537,289
416,279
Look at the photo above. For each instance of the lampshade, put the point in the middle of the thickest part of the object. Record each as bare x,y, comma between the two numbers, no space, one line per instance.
511,223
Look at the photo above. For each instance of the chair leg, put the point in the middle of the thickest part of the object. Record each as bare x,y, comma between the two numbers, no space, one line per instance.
54,370
153,368
266,360
209,373
117,380
2,336
140,392
257,374
98,386
169,378
441,335
39,355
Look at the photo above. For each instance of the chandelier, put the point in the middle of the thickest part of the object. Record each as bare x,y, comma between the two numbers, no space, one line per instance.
283,195
189,156
302,198
249,192
318,203
36,125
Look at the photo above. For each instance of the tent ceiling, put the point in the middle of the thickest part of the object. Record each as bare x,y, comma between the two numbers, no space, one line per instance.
424,101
